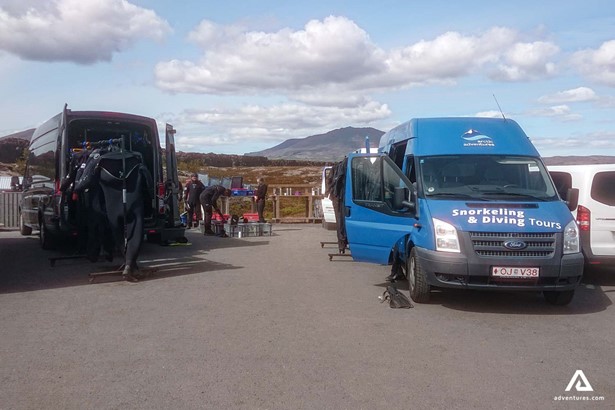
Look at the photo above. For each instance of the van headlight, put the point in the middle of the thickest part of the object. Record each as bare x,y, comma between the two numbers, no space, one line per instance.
571,238
446,236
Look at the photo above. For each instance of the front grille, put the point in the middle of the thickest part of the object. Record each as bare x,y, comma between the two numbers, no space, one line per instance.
491,244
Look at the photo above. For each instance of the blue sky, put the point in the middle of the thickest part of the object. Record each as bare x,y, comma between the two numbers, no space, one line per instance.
242,76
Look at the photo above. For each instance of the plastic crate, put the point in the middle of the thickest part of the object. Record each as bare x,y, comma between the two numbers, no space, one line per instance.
245,230
250,217
235,231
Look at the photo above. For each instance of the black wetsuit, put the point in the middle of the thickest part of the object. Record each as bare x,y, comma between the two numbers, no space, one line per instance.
209,200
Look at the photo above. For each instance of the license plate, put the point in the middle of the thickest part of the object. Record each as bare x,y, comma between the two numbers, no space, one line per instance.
515,272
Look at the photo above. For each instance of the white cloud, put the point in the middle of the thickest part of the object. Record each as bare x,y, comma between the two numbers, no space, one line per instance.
274,124
332,51
580,94
596,143
330,96
606,102
448,56
80,31
562,112
489,114
336,53
527,61
598,65
292,117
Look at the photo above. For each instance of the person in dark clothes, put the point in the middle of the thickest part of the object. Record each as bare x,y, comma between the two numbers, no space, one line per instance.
192,199
116,186
209,200
260,196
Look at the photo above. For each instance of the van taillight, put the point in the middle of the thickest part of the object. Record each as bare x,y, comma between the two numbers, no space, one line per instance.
583,218
161,193
57,187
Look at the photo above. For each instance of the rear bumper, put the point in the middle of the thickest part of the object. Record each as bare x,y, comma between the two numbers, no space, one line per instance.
602,261
173,234
449,270
590,258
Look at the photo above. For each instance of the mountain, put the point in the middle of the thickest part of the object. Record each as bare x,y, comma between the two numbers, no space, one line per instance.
22,135
13,146
334,145
331,146
579,160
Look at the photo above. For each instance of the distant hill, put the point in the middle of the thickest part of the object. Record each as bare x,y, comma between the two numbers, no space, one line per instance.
22,135
579,160
332,146
329,147
12,146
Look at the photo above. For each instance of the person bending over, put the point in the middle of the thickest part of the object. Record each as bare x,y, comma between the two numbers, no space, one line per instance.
209,200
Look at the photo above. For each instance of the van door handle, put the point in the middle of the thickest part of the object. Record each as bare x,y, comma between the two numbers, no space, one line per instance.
347,211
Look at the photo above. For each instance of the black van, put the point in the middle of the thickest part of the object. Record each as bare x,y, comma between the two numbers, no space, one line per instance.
47,207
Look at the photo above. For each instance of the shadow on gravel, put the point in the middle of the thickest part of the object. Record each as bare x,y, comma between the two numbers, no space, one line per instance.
589,298
25,267
600,276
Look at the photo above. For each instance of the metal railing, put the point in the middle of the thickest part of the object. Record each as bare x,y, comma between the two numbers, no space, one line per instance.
9,209
280,198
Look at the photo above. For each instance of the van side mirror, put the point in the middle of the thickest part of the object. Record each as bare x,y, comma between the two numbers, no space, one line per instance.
572,198
401,199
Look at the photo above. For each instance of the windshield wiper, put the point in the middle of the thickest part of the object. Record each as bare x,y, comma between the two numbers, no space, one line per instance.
504,193
457,195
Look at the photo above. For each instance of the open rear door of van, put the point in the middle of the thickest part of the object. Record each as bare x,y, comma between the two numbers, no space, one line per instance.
172,179
373,224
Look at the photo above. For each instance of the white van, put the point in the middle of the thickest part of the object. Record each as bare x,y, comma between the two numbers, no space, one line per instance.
596,211
328,213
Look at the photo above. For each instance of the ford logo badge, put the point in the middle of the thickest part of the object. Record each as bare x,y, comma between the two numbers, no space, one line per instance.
515,245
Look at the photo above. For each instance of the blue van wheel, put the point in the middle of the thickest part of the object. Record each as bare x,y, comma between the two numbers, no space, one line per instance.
417,281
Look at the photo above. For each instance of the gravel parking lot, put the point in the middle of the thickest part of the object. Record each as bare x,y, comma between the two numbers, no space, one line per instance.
271,323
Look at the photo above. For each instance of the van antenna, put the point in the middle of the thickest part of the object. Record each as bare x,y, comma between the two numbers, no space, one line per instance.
499,108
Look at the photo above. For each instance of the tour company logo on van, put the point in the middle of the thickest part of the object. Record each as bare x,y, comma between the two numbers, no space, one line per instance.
474,138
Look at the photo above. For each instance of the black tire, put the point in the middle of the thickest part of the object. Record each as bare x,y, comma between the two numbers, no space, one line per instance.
45,237
417,281
23,228
558,298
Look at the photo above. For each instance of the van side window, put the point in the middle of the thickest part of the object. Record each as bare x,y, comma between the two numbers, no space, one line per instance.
367,179
397,153
374,182
562,181
41,163
410,168
603,188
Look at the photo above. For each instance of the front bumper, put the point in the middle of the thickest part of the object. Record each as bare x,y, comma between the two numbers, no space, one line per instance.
453,270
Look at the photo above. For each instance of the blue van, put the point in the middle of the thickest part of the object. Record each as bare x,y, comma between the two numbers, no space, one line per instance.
463,203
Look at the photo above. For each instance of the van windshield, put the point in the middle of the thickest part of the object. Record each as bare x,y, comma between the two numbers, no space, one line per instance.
485,177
